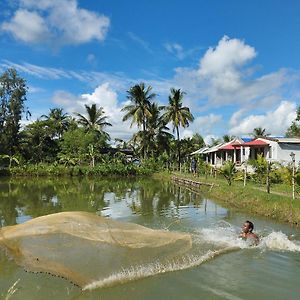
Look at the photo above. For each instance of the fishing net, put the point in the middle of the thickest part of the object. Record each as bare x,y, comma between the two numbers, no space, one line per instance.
87,249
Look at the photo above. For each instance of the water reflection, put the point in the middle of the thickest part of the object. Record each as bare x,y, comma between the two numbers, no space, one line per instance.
25,198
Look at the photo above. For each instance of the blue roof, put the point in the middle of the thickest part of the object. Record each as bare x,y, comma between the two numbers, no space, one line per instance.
246,139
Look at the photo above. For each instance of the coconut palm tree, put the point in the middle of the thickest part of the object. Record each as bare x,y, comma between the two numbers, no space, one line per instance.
139,108
157,134
95,120
227,138
177,114
259,132
58,121
228,171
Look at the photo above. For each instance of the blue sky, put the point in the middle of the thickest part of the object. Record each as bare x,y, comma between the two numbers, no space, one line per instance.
237,61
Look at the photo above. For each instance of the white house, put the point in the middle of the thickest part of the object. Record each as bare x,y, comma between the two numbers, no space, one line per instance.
240,150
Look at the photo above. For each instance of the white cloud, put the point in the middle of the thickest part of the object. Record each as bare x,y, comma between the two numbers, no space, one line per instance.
228,56
56,22
178,50
103,96
206,87
208,139
203,125
275,122
140,41
27,26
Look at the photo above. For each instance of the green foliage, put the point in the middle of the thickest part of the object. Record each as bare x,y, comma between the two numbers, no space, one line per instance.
139,110
260,166
177,114
95,121
75,145
10,158
294,129
111,169
13,91
38,143
228,171
259,132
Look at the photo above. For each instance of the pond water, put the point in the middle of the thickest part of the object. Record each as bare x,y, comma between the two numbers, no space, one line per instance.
269,271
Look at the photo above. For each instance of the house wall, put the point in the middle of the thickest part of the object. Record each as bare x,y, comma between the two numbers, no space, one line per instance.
284,151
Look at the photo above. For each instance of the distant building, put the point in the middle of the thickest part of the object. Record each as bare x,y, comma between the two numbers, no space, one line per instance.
240,150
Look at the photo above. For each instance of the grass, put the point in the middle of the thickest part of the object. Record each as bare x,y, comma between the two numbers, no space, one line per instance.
253,198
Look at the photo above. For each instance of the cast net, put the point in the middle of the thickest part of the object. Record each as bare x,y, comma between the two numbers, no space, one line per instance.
90,250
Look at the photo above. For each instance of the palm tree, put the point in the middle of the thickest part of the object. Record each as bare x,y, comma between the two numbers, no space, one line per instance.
58,120
95,120
177,114
227,138
259,132
139,109
228,171
10,158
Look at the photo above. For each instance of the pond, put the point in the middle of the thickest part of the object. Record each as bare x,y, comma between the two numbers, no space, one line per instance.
269,271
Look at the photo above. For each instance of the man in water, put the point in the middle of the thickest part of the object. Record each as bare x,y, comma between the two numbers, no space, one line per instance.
247,232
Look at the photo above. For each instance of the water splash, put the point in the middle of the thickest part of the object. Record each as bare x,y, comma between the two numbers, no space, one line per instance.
279,241
143,271
224,234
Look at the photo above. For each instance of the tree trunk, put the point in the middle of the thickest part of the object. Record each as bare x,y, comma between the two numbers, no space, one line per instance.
178,147
144,139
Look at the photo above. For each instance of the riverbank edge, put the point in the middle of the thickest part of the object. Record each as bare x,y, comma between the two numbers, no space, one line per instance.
246,199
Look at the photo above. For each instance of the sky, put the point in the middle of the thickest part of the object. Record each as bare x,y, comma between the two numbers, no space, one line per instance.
237,61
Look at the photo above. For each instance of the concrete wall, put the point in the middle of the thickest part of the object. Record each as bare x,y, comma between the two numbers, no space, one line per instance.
284,151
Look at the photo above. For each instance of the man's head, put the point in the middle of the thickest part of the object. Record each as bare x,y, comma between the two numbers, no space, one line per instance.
248,227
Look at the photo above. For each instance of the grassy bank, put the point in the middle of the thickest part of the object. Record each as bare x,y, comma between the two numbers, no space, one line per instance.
251,199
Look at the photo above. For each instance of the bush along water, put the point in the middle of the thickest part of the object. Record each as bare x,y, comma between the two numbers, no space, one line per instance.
107,168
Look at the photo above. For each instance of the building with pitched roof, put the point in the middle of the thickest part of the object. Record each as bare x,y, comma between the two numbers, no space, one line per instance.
240,150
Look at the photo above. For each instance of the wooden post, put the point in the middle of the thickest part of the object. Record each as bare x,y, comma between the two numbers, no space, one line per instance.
268,176
245,174
292,155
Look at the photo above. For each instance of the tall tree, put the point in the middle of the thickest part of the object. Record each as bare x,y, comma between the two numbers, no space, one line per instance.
58,121
37,143
139,108
95,121
227,138
157,134
294,129
259,132
177,114
13,91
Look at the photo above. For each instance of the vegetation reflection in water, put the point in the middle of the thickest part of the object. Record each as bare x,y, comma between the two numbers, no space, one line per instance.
22,199
155,204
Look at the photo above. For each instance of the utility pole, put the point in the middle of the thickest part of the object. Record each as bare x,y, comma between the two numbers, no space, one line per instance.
292,155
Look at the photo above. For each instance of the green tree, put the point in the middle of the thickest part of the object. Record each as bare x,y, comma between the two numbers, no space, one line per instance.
177,114
294,129
76,145
58,121
10,158
37,143
214,142
95,121
157,134
260,132
13,91
139,108
260,166
227,138
228,171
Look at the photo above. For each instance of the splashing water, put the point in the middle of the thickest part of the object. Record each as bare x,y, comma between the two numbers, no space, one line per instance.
224,234
279,241
122,252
